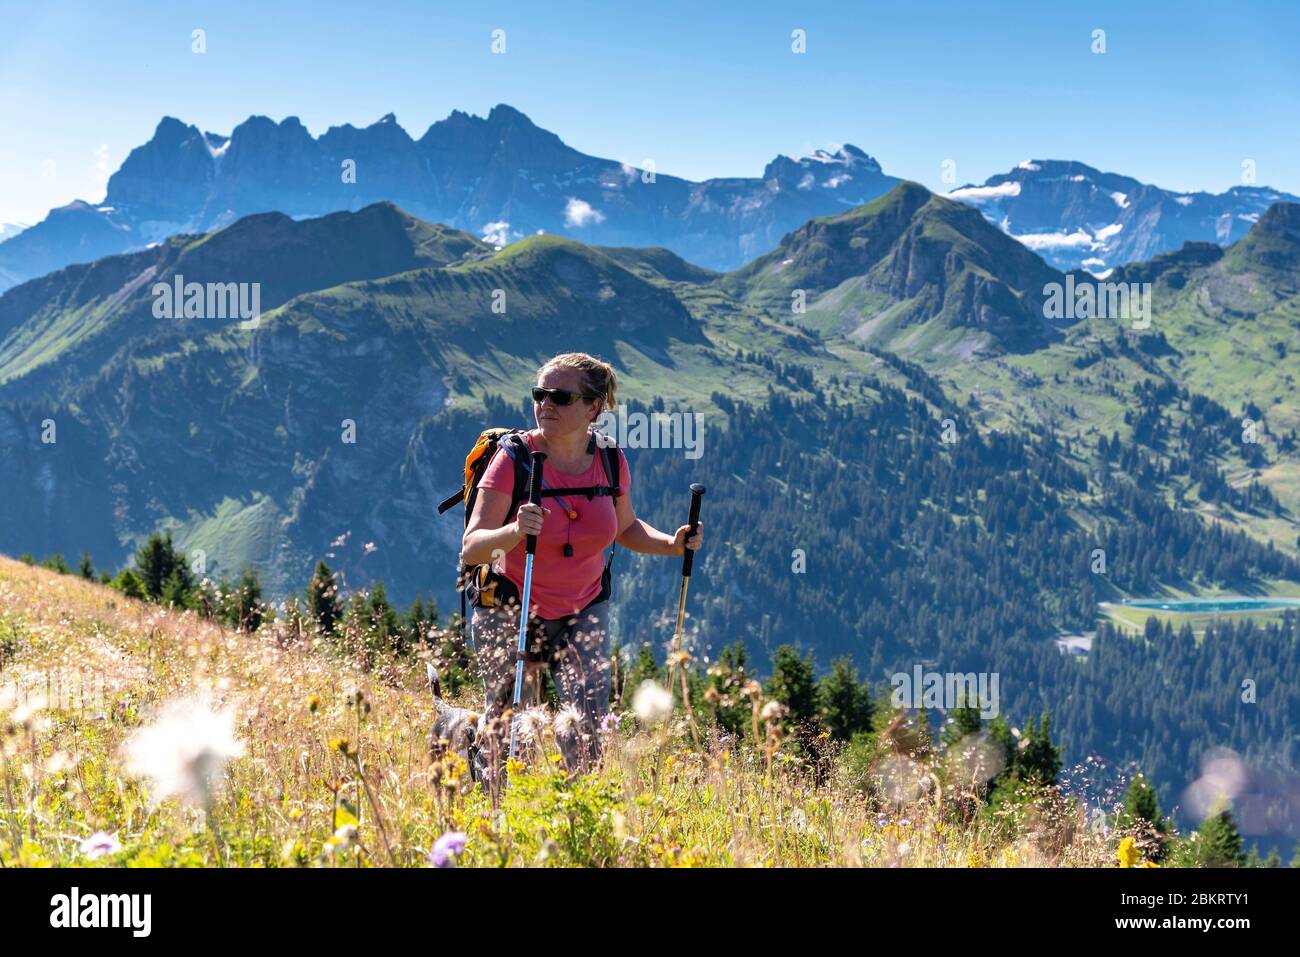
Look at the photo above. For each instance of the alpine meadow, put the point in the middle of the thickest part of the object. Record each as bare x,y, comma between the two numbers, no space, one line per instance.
857,519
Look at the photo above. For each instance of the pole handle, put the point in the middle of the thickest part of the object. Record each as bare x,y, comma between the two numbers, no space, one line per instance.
697,492
534,495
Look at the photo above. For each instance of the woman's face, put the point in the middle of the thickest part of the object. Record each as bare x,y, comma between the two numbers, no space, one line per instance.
555,419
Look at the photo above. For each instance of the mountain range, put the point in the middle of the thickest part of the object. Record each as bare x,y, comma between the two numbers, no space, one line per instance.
499,177
1075,216
502,177
882,391
230,429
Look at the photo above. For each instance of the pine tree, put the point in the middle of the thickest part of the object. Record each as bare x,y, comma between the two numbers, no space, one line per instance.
792,685
845,701
153,561
724,692
156,561
644,668
129,584
1220,843
1039,760
244,608
1141,803
964,721
176,590
385,632
323,599
86,569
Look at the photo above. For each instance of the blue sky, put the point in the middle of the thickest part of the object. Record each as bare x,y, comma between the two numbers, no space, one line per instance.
1183,94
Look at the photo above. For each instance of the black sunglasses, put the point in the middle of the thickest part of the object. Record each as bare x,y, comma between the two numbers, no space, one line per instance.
559,396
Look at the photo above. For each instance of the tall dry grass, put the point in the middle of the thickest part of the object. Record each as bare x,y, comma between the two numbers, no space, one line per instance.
332,769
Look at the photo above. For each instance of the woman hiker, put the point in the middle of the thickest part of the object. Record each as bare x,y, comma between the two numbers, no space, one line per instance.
572,390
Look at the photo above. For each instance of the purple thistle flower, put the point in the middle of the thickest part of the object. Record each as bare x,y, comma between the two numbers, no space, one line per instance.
447,848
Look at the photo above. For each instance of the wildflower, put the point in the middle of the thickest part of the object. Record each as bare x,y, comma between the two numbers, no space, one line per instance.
652,702
532,725
344,838
751,689
447,848
25,714
185,751
1128,854
773,712
99,844
313,703
566,722
609,723
712,696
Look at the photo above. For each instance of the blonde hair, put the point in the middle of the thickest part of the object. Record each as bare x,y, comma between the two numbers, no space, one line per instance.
597,375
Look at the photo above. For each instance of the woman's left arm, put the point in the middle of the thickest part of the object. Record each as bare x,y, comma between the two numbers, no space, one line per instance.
637,535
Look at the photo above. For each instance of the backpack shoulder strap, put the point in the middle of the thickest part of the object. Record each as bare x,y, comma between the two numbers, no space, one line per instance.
515,445
609,453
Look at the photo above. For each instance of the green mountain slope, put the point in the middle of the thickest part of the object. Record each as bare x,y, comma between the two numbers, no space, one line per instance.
82,316
911,272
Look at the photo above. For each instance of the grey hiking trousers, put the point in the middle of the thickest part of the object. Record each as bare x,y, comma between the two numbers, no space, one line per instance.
576,649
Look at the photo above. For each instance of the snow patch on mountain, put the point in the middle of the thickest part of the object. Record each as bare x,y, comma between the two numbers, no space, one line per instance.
1079,239
981,194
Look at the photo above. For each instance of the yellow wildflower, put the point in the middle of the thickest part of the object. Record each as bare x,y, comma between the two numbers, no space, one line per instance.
1128,854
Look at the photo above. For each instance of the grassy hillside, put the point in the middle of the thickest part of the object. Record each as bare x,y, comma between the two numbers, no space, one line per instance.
84,671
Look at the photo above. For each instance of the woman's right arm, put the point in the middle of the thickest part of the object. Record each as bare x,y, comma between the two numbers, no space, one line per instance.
486,533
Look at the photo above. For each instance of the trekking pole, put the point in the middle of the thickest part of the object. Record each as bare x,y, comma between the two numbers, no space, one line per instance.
697,491
530,546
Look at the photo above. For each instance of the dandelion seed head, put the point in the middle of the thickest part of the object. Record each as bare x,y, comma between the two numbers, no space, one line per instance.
532,724
184,752
566,722
652,702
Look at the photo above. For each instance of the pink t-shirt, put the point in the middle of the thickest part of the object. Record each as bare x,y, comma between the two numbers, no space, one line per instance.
563,585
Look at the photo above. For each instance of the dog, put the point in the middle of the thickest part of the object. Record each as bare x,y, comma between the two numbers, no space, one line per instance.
454,729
